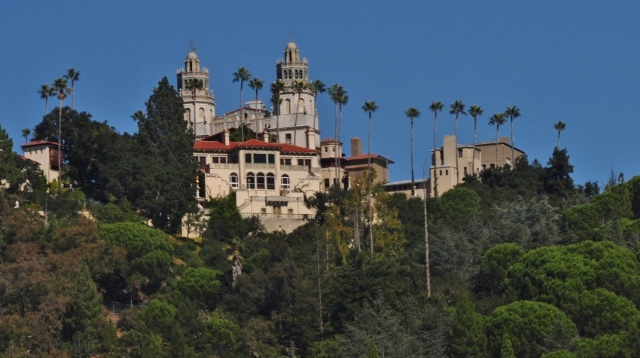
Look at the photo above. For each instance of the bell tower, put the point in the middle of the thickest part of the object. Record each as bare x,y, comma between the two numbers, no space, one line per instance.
297,112
200,103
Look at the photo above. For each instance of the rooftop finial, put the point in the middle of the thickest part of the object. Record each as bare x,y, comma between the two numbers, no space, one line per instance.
290,35
193,49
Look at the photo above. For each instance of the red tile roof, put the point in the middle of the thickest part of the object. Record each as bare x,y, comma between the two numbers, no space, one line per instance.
251,144
36,143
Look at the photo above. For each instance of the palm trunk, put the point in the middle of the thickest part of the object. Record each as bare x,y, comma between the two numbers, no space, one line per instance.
241,116
413,182
256,112
46,106
339,130
335,112
457,166
278,118
473,161
435,158
497,147
513,160
60,148
73,94
558,142
426,247
369,187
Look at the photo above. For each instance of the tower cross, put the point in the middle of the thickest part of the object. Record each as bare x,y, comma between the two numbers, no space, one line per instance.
290,35
191,44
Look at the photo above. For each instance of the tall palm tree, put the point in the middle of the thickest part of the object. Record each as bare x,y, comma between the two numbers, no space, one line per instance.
336,92
276,89
369,107
497,120
475,111
256,85
194,84
316,87
25,134
45,92
427,262
412,113
61,88
512,112
457,108
298,87
435,107
73,76
342,102
240,76
559,127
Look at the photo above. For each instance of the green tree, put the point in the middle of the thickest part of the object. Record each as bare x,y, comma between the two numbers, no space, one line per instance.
466,337
372,350
276,89
558,181
369,107
475,111
412,114
494,266
73,76
497,120
533,328
316,87
256,84
512,113
560,126
45,92
202,285
435,107
337,94
240,76
457,108
61,88
166,161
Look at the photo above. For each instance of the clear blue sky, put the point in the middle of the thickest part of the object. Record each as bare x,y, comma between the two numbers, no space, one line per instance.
574,61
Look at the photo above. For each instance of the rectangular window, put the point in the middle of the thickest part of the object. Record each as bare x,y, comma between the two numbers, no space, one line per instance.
300,161
260,180
215,160
287,138
493,166
326,183
272,159
271,182
484,166
465,170
446,172
307,162
203,160
290,211
247,158
459,153
263,210
260,158
223,160
325,149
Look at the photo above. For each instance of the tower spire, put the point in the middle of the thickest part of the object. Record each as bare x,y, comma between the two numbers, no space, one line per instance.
290,35
193,49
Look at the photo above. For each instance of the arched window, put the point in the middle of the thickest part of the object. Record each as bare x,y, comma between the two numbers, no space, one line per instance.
284,182
187,115
271,181
301,105
233,179
287,106
260,181
251,181
201,112
285,74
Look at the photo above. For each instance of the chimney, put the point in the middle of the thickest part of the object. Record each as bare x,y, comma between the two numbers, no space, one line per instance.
226,137
356,146
265,136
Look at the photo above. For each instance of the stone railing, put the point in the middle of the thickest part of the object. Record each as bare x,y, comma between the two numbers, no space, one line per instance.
278,216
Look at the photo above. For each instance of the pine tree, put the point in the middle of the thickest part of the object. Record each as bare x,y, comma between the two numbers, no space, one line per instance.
166,170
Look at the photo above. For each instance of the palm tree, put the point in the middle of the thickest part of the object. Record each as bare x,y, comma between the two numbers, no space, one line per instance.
45,92
61,88
298,87
73,76
369,107
457,108
25,134
412,113
435,107
336,92
256,85
512,112
240,76
559,127
342,102
475,111
316,87
497,120
276,88
193,84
